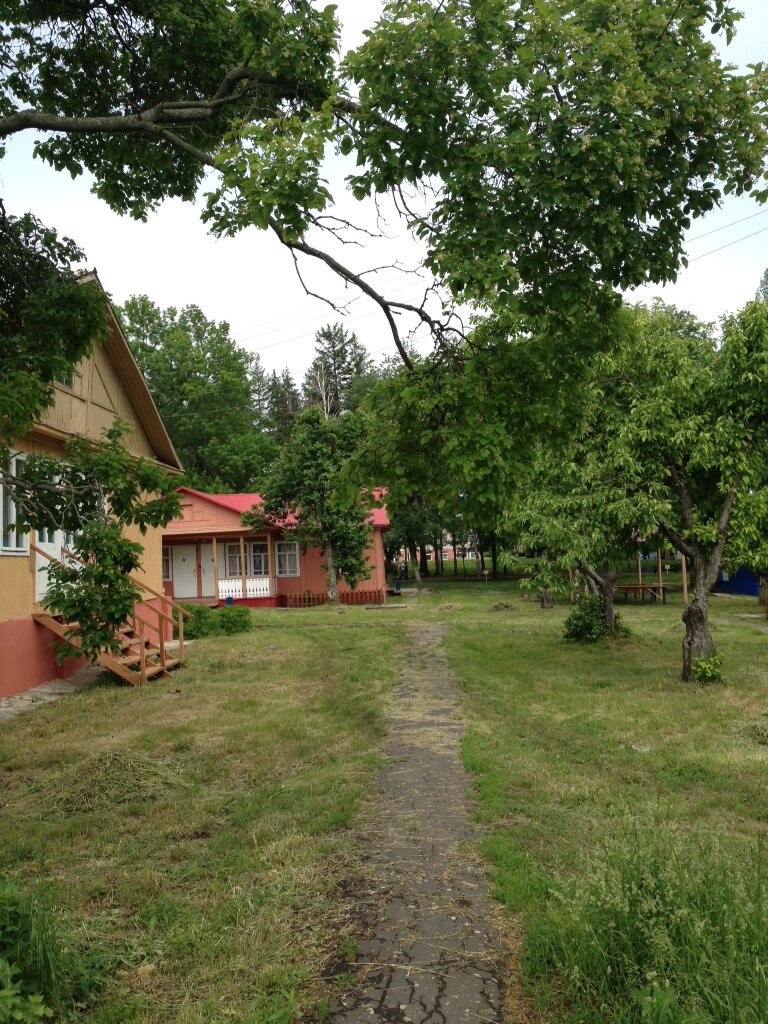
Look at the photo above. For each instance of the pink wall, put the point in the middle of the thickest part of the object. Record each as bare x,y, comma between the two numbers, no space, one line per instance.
27,657
312,576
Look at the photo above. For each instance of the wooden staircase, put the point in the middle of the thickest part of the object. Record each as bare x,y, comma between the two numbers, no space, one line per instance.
139,658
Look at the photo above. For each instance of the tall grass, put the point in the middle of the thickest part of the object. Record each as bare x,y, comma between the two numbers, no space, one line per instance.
662,928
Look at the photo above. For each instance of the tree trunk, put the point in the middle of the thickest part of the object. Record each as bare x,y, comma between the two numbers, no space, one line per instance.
607,591
494,556
455,557
424,561
697,642
330,568
414,560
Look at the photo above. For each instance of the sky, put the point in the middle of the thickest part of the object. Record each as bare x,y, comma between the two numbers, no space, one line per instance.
250,280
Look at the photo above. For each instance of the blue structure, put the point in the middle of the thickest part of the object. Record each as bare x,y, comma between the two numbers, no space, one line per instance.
743,581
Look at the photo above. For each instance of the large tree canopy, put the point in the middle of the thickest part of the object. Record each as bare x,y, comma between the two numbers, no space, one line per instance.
542,151
211,394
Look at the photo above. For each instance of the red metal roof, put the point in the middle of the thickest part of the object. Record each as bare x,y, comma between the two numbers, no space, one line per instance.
244,502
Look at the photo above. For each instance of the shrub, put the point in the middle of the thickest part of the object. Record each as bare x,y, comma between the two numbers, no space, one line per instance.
586,623
663,929
225,621
706,671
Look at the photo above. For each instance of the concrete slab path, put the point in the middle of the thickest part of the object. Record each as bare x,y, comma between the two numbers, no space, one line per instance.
431,952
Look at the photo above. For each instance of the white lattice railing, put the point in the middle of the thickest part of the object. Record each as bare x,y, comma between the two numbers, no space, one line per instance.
254,587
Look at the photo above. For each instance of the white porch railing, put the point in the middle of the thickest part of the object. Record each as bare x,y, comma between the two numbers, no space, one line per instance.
255,586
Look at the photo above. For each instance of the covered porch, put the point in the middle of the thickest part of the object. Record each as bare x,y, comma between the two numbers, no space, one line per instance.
221,568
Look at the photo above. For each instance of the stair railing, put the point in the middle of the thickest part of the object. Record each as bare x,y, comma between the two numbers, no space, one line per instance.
135,618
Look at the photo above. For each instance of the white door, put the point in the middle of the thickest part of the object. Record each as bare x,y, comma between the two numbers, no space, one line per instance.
184,570
207,571
49,541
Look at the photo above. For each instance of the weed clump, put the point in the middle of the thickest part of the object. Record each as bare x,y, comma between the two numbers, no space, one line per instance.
662,930
37,969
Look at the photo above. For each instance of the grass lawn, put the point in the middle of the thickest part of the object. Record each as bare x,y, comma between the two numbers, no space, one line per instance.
190,837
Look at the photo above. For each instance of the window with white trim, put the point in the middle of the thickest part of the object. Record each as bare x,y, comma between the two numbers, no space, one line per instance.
259,559
233,562
166,563
12,541
287,558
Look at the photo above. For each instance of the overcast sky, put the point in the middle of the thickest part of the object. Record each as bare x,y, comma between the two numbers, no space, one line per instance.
250,280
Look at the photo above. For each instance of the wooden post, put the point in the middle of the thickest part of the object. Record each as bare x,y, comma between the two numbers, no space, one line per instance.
215,559
243,567
685,578
142,656
180,630
271,570
639,570
658,574
161,643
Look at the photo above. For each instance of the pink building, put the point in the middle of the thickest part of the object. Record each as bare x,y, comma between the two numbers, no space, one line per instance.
209,556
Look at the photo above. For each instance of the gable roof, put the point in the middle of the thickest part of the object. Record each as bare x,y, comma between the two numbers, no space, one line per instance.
117,351
244,502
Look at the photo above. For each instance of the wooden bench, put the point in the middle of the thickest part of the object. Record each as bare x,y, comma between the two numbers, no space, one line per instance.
653,589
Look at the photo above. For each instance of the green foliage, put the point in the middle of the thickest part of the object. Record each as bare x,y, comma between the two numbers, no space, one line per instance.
37,968
48,321
706,671
210,392
93,493
618,118
16,1007
341,372
224,621
660,930
586,623
303,496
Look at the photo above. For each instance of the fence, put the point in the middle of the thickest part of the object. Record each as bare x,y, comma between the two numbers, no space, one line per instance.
354,597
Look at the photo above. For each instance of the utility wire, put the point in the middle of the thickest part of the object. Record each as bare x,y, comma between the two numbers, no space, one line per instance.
728,245
714,231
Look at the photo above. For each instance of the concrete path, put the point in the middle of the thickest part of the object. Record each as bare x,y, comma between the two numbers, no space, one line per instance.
430,952
47,693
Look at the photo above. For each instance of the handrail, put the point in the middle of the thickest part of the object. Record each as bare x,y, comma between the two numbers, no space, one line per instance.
139,583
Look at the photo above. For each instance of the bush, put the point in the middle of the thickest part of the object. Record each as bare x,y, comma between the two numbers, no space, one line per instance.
225,621
662,930
586,623
15,1006
706,671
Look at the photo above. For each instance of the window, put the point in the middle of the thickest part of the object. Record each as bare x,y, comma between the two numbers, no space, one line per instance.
233,561
259,560
66,380
166,564
287,559
12,540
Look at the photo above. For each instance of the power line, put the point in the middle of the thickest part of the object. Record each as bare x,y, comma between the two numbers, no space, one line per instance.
733,223
728,245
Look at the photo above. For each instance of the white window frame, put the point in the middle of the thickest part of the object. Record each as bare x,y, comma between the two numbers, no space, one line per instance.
232,550
260,549
283,549
166,559
8,515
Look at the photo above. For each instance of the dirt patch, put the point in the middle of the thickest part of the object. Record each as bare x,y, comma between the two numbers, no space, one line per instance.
430,944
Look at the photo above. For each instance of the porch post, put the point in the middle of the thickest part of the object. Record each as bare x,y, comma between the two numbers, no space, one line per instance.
215,558
243,569
271,572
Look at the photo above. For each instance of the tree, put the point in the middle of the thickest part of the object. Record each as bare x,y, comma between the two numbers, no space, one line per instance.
301,496
48,321
283,405
545,153
674,441
93,493
209,392
341,372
